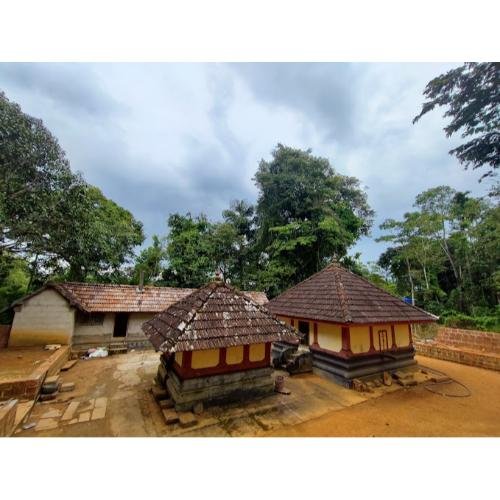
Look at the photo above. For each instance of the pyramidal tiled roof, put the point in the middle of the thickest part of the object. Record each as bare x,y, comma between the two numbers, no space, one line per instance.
100,297
340,296
212,317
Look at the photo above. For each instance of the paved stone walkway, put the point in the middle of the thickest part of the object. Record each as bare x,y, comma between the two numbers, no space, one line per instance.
112,397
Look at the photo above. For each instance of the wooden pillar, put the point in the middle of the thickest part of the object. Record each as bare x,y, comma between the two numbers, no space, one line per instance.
410,336
393,335
292,322
246,354
267,359
346,341
315,338
372,345
222,358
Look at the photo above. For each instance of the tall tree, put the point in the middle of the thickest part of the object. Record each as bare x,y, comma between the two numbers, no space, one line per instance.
50,215
151,261
471,96
306,214
241,216
189,251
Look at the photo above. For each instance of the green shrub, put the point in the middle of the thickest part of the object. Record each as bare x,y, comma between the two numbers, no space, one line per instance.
489,323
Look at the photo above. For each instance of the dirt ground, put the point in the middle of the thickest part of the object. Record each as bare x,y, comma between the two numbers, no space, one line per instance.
18,362
416,411
112,398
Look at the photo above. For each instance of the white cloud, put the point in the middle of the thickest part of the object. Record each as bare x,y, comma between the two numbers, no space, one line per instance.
160,138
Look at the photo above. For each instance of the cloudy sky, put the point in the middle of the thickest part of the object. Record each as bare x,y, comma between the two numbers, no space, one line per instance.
163,138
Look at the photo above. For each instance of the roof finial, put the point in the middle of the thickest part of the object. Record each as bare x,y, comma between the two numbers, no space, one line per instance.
219,275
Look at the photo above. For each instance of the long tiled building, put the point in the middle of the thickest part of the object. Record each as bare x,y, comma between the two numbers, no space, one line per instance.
85,314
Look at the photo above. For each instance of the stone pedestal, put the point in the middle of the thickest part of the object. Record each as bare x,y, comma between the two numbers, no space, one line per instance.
219,389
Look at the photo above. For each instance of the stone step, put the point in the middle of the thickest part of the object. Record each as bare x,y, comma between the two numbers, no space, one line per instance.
159,393
171,416
166,403
118,350
187,419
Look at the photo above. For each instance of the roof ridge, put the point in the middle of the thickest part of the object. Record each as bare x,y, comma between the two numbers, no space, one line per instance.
119,285
344,306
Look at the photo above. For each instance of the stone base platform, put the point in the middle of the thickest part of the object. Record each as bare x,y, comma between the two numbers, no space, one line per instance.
344,370
219,389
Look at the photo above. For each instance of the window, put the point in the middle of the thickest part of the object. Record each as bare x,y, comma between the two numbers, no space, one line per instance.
90,319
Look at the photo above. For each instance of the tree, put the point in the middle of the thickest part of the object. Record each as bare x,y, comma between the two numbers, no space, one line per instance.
14,280
471,94
51,216
189,251
35,176
150,261
446,252
306,214
241,216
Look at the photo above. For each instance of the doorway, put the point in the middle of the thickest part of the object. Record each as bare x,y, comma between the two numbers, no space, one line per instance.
121,322
304,330
383,342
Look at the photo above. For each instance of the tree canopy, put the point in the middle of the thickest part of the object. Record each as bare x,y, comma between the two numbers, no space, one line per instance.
471,96
445,254
62,226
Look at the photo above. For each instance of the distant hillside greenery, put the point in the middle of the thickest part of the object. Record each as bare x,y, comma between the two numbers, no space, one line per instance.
443,254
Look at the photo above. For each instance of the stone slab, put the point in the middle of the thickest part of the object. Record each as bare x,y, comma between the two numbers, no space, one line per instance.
46,424
70,410
84,417
51,414
187,419
99,413
171,417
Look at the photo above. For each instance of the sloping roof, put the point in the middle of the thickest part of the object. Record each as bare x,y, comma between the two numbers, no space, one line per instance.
90,297
214,316
340,296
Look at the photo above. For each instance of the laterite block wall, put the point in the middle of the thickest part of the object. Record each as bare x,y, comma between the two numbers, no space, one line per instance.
470,339
469,347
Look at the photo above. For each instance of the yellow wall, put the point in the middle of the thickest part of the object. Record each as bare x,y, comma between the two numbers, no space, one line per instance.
205,359
329,336
402,335
178,358
45,318
257,352
360,338
234,355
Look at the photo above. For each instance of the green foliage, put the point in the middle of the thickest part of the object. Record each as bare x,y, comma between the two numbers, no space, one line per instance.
150,261
189,251
63,227
446,254
14,280
471,96
489,323
307,214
